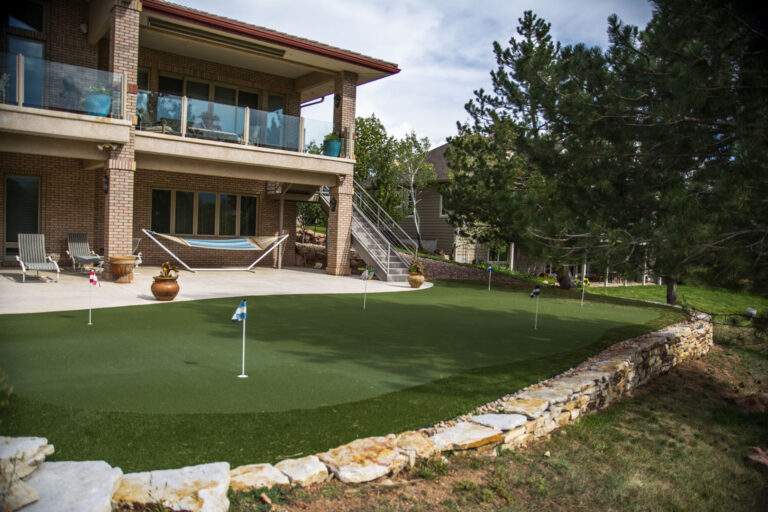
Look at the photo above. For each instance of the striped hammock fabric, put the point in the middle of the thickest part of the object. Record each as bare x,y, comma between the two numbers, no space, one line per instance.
250,243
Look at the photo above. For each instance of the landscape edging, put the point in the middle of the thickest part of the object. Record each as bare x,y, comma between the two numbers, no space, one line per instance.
511,421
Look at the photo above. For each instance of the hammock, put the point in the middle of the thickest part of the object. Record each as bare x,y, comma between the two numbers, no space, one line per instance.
251,243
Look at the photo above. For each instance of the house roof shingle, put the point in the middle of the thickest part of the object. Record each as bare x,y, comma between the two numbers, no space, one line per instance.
437,158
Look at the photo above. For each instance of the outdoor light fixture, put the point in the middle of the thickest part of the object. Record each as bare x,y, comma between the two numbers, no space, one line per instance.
333,204
105,183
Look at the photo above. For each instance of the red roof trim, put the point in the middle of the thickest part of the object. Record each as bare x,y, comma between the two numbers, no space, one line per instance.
252,31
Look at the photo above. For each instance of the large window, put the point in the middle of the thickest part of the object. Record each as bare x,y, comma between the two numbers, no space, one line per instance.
203,213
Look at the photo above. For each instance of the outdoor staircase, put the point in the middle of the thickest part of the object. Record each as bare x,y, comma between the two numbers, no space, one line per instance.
376,236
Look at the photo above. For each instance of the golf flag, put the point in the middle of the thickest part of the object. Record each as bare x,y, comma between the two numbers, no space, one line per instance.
241,312
92,279
536,291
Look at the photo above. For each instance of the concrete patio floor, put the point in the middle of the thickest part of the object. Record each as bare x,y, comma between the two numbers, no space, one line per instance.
73,292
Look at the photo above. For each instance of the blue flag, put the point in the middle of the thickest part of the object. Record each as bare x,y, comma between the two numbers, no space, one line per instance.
241,312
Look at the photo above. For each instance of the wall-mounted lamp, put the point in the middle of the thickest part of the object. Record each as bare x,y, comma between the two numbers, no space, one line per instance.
333,204
84,28
105,183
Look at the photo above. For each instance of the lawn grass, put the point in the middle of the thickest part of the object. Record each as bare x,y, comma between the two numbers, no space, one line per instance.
715,301
678,445
155,386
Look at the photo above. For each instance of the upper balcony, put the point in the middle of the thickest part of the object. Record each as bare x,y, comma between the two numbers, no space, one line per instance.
68,104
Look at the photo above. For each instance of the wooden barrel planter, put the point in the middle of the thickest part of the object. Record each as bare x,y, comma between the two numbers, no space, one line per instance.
121,268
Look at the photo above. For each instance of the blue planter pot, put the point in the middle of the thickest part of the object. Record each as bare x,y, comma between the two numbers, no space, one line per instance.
332,147
98,104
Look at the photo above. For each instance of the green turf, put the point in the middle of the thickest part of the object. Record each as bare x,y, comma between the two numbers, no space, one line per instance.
716,301
155,386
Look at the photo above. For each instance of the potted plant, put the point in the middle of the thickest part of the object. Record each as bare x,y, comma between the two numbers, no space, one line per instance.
98,101
166,287
332,145
416,273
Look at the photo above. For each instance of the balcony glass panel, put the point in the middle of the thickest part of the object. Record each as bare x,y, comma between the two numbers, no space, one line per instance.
57,86
274,130
158,112
215,121
314,134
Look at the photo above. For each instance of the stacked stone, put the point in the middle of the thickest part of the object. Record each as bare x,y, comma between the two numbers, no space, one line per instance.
510,422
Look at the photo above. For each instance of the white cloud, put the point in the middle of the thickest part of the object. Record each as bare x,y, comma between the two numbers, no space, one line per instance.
442,47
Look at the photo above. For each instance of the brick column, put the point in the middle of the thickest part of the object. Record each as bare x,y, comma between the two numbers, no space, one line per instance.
121,166
338,237
345,91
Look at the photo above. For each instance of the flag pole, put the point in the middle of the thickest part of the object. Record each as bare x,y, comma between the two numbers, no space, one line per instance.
90,303
536,318
365,292
242,370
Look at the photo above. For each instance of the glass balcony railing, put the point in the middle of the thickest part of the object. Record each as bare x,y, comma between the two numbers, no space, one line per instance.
39,83
162,113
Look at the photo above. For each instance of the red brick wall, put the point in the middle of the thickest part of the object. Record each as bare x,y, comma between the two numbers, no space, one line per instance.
267,218
67,197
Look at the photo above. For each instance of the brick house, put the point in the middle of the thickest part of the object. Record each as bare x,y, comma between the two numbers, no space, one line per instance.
118,115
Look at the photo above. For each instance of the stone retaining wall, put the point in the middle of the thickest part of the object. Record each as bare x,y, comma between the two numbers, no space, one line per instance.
436,270
510,422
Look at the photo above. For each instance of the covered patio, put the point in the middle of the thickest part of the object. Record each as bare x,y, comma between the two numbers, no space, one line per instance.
72,292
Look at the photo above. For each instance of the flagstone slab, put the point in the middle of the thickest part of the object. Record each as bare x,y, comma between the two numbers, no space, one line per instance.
530,407
74,486
365,459
200,488
304,471
551,395
416,442
18,493
19,456
256,476
465,436
501,422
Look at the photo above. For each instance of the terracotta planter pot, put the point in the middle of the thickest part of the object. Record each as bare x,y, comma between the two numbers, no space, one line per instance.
416,280
165,288
121,268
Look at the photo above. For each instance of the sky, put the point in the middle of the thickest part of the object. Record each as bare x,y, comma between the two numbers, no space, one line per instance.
443,47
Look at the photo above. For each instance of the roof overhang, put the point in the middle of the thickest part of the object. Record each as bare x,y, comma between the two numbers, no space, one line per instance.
177,29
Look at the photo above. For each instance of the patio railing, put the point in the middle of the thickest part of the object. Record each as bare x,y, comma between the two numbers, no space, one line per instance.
40,83
163,113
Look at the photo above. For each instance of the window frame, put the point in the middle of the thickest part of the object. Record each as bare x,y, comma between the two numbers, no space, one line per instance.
442,212
217,211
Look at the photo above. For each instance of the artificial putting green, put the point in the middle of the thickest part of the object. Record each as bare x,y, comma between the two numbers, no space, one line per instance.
156,386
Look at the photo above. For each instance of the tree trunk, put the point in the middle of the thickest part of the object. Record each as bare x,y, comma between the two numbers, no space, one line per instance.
671,291
565,279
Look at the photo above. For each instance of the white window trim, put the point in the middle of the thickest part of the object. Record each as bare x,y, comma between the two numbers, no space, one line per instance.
443,215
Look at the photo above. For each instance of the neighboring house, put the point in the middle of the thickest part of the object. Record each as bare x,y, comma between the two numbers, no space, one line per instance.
118,115
437,234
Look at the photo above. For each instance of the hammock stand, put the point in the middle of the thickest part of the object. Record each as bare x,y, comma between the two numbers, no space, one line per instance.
230,244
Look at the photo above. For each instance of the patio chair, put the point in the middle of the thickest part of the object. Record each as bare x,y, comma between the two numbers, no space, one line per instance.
80,252
32,256
136,252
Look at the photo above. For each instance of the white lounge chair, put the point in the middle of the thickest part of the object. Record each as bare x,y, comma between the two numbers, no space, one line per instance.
136,252
32,256
80,252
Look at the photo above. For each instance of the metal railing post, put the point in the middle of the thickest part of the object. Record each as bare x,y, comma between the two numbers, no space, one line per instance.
184,106
246,125
19,79
389,251
301,134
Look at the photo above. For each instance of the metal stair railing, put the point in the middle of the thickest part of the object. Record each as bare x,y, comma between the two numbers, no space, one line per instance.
373,239
383,220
